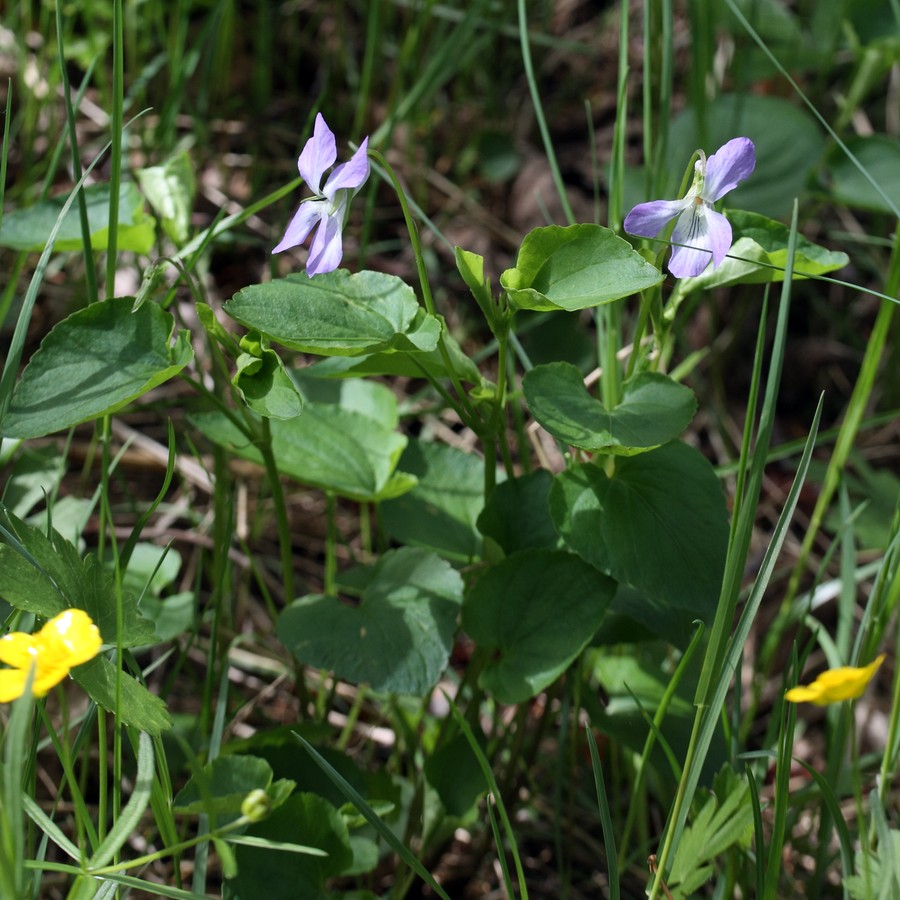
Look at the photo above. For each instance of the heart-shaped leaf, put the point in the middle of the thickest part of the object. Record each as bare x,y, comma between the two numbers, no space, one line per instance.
336,313
516,516
93,363
576,267
531,615
658,524
441,510
399,637
654,410
344,442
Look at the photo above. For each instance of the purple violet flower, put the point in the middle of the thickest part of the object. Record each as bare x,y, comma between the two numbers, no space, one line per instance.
700,232
326,210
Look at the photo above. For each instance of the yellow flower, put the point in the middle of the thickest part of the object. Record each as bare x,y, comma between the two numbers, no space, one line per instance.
835,685
67,640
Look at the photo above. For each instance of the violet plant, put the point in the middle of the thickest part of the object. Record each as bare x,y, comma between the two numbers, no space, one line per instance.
533,558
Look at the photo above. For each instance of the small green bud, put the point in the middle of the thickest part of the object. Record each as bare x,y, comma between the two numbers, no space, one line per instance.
256,805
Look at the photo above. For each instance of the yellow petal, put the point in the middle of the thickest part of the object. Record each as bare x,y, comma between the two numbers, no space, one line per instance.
12,684
69,639
18,649
835,685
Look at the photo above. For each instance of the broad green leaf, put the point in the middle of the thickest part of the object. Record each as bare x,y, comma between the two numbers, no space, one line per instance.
170,189
531,615
221,786
880,155
138,708
370,399
576,267
653,411
440,512
57,578
516,515
151,569
658,524
336,314
263,382
93,363
633,683
759,255
275,874
453,771
428,363
27,229
34,476
327,447
397,639
788,145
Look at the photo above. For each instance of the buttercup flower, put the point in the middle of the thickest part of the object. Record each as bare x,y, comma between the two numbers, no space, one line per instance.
66,641
835,685
327,209
700,230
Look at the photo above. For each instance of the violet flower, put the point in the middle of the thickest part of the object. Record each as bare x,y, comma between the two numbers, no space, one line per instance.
700,232
326,210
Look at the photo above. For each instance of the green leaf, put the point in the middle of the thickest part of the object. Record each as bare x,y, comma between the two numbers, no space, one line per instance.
331,446
336,314
517,517
576,267
880,866
221,786
264,383
653,410
759,245
880,155
531,615
397,639
139,708
409,364
658,524
453,771
725,819
53,577
440,512
170,189
27,229
278,875
93,363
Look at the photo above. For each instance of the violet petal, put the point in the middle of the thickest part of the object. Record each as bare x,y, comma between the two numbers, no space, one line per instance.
649,219
350,175
305,219
731,164
318,154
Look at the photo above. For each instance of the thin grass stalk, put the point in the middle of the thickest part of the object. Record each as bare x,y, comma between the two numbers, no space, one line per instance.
117,135
856,407
90,273
787,716
722,653
539,115
658,717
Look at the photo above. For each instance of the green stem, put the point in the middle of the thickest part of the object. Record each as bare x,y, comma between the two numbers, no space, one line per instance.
115,169
281,516
539,115
469,415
